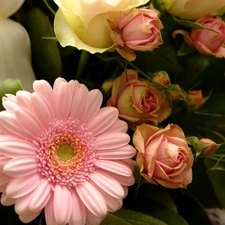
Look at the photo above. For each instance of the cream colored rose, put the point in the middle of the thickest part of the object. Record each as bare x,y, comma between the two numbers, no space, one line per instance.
84,23
163,155
190,9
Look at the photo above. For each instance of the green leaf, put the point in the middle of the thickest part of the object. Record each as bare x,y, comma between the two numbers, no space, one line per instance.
191,24
217,178
9,86
45,52
130,217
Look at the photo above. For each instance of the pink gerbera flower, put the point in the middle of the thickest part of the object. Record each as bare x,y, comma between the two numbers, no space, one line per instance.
61,152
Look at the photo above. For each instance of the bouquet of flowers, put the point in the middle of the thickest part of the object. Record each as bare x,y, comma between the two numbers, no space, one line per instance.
112,112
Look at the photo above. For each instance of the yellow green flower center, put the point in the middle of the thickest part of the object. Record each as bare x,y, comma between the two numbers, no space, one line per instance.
65,152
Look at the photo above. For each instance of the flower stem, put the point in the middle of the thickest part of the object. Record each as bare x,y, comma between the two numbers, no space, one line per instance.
49,7
84,57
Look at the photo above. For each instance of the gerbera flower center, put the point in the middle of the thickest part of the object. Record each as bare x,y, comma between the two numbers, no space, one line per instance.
66,152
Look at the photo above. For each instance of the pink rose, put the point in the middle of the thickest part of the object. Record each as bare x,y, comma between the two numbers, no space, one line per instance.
206,146
138,101
206,41
163,155
195,99
139,30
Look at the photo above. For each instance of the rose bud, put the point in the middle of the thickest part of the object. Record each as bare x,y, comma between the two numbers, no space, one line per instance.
138,30
207,41
176,92
195,99
207,146
161,79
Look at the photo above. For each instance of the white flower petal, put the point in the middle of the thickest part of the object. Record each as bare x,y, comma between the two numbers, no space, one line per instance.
9,7
15,54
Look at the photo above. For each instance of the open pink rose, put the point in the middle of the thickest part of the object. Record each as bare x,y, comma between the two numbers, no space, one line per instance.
138,101
138,30
207,42
163,155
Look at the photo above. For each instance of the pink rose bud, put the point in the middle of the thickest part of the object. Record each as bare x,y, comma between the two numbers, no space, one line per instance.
206,146
207,42
195,99
176,92
138,101
139,30
163,155
161,79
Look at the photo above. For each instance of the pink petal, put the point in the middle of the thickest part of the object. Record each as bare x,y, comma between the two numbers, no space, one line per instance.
74,85
111,140
6,201
118,126
80,103
22,166
28,217
78,215
92,199
22,204
62,204
21,186
103,120
113,204
124,152
115,167
49,213
95,101
93,219
41,196
3,161
23,100
9,125
16,148
29,122
4,180
63,100
107,183
42,109
45,89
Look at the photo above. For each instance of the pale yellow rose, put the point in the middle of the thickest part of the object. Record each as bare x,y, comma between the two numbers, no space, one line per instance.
84,23
190,9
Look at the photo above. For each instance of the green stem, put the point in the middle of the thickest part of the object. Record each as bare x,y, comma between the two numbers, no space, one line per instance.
49,7
84,57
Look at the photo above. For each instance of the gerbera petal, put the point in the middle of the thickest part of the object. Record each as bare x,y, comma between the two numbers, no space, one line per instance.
103,120
74,85
3,161
62,204
93,219
4,180
92,199
95,101
113,204
6,201
80,103
41,196
23,100
107,183
63,100
118,126
21,186
9,125
124,152
29,122
22,166
45,89
16,148
42,109
115,167
49,213
28,217
22,203
111,140
78,215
